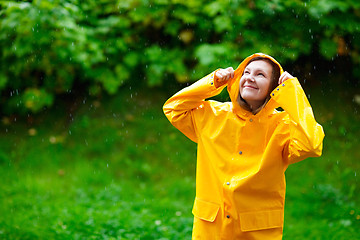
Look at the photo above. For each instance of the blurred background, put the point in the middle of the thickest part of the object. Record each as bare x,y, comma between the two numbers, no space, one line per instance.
85,150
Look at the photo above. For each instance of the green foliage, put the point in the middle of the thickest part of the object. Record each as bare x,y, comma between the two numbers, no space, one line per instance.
97,46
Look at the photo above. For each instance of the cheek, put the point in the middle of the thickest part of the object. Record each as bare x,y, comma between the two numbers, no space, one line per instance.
265,85
241,82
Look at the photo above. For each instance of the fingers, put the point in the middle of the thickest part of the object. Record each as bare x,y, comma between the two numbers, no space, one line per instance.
285,76
225,74
231,71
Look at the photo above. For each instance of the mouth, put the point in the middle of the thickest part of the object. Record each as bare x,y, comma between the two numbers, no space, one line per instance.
251,87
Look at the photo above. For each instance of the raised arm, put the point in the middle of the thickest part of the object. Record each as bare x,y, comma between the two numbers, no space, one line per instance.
179,109
306,135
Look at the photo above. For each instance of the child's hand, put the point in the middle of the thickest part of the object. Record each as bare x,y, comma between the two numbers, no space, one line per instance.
285,76
224,75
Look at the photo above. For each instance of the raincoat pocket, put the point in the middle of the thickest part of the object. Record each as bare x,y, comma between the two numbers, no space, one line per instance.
205,210
260,220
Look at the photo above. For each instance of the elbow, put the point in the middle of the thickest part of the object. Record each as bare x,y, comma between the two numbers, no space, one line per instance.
317,146
317,152
168,111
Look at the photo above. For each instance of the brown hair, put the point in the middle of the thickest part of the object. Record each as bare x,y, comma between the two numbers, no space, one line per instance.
275,75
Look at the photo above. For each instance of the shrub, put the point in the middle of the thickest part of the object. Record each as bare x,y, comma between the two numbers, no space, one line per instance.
48,48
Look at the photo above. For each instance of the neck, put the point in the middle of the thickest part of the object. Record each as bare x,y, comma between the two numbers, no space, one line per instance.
254,104
251,106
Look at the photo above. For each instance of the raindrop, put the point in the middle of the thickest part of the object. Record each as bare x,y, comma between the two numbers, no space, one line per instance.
107,165
72,43
70,132
33,29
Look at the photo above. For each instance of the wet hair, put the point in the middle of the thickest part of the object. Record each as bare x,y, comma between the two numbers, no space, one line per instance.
275,75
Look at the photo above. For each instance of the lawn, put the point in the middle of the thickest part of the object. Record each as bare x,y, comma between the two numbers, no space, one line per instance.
115,168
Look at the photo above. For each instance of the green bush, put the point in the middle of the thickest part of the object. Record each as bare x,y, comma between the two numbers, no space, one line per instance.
49,48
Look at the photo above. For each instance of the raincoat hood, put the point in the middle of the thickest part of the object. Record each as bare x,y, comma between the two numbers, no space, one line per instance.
233,86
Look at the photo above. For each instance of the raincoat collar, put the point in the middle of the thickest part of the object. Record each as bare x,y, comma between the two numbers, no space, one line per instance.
234,89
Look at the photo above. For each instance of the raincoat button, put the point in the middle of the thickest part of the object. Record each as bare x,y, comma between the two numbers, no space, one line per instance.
277,89
228,183
228,216
251,120
212,83
240,152
283,84
273,94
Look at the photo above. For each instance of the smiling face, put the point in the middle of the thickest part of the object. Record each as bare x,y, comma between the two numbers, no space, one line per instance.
255,83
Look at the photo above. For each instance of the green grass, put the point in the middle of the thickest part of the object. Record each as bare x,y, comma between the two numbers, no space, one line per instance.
116,169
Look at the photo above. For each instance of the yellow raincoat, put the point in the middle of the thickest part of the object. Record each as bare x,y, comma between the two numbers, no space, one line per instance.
241,157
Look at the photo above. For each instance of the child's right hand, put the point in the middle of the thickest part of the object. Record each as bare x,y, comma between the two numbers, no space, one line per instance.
223,75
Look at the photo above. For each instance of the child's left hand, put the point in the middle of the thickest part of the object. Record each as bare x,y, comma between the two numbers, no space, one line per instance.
285,76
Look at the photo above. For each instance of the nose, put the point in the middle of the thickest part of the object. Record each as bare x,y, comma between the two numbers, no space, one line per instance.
249,78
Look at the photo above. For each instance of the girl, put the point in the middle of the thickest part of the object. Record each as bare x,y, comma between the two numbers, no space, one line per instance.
245,146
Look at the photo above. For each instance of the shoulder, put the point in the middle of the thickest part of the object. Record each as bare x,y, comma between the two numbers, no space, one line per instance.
219,107
214,108
280,116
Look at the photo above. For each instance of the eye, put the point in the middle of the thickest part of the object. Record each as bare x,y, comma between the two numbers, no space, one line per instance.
261,74
246,72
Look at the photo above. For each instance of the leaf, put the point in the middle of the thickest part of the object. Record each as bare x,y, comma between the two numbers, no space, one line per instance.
222,23
131,59
35,99
328,48
208,54
154,74
3,81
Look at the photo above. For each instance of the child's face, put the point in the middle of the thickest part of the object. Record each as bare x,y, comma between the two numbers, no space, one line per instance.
255,82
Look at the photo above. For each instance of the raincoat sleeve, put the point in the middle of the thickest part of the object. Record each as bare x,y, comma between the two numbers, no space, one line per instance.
305,134
180,109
